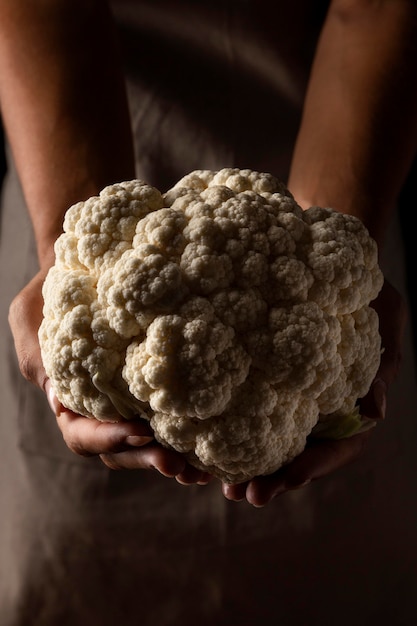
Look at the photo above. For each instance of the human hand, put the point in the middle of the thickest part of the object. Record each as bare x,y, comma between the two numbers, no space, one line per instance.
323,457
127,444
120,445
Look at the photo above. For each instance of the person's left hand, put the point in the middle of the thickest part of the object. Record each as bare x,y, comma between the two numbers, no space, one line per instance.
323,457
319,459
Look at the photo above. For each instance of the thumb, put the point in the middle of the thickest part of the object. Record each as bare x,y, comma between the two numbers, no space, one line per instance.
25,316
392,313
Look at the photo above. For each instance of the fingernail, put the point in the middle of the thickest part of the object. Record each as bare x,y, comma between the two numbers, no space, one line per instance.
379,393
53,401
204,481
137,441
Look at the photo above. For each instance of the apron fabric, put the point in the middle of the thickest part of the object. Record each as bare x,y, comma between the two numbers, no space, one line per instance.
81,544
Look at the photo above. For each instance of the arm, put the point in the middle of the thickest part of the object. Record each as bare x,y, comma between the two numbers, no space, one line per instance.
358,133
64,106
356,142
66,116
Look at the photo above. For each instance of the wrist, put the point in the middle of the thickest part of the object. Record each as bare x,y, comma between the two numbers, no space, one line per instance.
46,254
373,213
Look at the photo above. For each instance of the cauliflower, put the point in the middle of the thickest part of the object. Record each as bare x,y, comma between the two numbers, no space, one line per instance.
234,321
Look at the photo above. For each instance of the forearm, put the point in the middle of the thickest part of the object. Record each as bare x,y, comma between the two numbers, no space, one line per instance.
63,105
359,129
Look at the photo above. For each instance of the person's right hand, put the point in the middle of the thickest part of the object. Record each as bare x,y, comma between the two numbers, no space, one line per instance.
127,444
120,445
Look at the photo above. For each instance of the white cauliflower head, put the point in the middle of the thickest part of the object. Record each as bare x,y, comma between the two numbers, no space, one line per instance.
221,311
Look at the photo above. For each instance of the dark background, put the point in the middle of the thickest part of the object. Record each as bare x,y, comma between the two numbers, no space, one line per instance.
408,203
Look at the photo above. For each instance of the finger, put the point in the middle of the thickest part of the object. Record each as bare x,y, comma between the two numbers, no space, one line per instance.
87,437
236,493
324,457
191,476
25,315
120,445
374,404
263,489
318,459
392,316
166,462
392,312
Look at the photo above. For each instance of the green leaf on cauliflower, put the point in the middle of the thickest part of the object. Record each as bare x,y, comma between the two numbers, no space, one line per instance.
342,427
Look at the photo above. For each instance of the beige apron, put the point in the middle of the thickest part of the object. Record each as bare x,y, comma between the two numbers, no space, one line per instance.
82,545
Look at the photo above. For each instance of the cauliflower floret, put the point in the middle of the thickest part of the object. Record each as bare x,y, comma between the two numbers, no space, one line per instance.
147,284
99,230
76,341
221,311
250,438
343,260
194,347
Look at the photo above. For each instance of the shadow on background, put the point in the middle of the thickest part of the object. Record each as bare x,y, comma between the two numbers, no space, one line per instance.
407,204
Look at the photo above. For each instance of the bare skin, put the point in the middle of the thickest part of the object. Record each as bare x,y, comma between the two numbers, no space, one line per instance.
67,147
